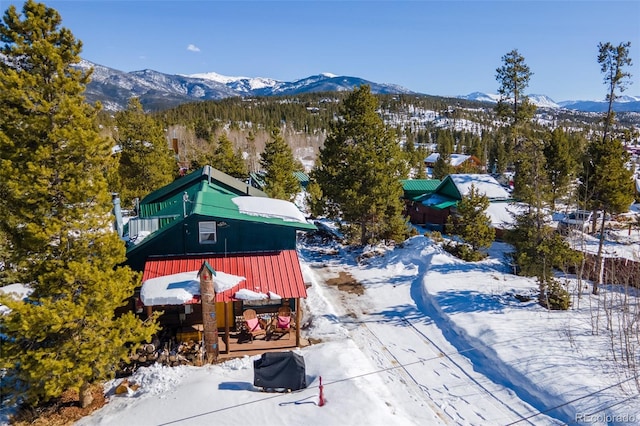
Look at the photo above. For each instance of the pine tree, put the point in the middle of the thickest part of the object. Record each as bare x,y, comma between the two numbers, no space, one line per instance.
252,156
359,171
606,183
514,76
442,166
56,217
560,164
471,222
279,166
228,161
146,163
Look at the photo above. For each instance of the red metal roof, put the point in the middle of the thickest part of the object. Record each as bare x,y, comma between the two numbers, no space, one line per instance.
278,272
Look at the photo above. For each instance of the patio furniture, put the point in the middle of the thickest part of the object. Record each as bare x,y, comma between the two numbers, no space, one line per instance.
282,323
254,325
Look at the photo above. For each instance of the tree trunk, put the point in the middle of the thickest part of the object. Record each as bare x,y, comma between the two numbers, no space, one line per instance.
85,395
599,262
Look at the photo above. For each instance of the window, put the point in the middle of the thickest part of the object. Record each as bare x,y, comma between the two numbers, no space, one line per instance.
207,232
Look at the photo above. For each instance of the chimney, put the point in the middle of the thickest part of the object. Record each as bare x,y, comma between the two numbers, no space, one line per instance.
117,212
209,320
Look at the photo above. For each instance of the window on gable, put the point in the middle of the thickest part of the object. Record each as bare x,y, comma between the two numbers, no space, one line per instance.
207,232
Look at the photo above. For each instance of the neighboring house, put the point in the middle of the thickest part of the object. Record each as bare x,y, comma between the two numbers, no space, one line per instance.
435,209
414,191
460,162
208,216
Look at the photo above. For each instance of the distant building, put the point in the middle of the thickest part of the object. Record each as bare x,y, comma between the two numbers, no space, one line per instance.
460,162
434,209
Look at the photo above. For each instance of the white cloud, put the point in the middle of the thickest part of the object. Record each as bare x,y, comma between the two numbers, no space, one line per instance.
193,48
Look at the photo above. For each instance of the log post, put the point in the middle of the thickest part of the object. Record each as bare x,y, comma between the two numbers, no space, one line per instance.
209,320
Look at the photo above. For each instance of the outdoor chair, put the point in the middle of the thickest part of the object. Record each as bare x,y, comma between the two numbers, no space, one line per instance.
254,325
283,322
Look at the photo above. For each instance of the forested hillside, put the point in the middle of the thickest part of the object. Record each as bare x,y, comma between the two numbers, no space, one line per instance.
304,121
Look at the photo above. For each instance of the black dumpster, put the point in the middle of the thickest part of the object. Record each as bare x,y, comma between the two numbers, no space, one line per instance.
279,370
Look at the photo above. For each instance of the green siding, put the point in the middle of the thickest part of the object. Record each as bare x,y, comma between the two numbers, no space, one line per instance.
181,238
208,201
449,189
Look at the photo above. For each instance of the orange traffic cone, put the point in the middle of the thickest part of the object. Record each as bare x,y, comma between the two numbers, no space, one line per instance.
321,402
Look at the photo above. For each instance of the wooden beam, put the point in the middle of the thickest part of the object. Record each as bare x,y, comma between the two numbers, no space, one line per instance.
298,319
226,327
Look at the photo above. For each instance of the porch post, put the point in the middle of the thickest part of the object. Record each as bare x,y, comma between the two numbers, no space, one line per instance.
298,319
226,327
209,320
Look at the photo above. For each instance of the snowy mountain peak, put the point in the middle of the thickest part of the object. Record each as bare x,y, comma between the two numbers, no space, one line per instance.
250,83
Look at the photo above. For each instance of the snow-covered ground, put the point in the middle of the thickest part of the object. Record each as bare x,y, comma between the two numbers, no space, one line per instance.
431,340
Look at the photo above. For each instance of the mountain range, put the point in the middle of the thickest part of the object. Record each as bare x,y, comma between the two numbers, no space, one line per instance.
157,90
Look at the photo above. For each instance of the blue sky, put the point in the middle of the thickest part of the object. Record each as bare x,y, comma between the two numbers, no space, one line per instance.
443,48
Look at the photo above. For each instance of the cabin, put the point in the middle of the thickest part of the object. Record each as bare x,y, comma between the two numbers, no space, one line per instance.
433,210
246,239
461,163
413,192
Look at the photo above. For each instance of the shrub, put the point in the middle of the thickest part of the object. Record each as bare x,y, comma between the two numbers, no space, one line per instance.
553,295
464,252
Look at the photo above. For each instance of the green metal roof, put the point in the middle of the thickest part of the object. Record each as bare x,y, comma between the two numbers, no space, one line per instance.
443,204
210,201
448,188
416,188
302,177
206,173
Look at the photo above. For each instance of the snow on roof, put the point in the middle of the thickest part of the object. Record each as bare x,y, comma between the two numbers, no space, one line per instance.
501,214
484,184
455,159
269,207
178,289
246,294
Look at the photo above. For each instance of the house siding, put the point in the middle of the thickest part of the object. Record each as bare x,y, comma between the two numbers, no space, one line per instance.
181,238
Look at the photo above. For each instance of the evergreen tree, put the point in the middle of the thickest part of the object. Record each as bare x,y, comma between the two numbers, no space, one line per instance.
146,163
560,164
514,76
537,252
613,60
606,183
56,217
471,222
420,155
279,166
228,161
442,166
531,183
252,153
359,171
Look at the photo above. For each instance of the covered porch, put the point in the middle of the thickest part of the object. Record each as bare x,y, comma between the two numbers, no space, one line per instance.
263,282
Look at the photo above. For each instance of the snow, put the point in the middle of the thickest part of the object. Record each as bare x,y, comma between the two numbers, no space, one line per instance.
17,291
269,207
501,214
484,184
432,340
246,294
177,289
454,159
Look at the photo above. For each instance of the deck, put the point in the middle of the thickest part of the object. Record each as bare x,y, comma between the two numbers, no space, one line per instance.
239,347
